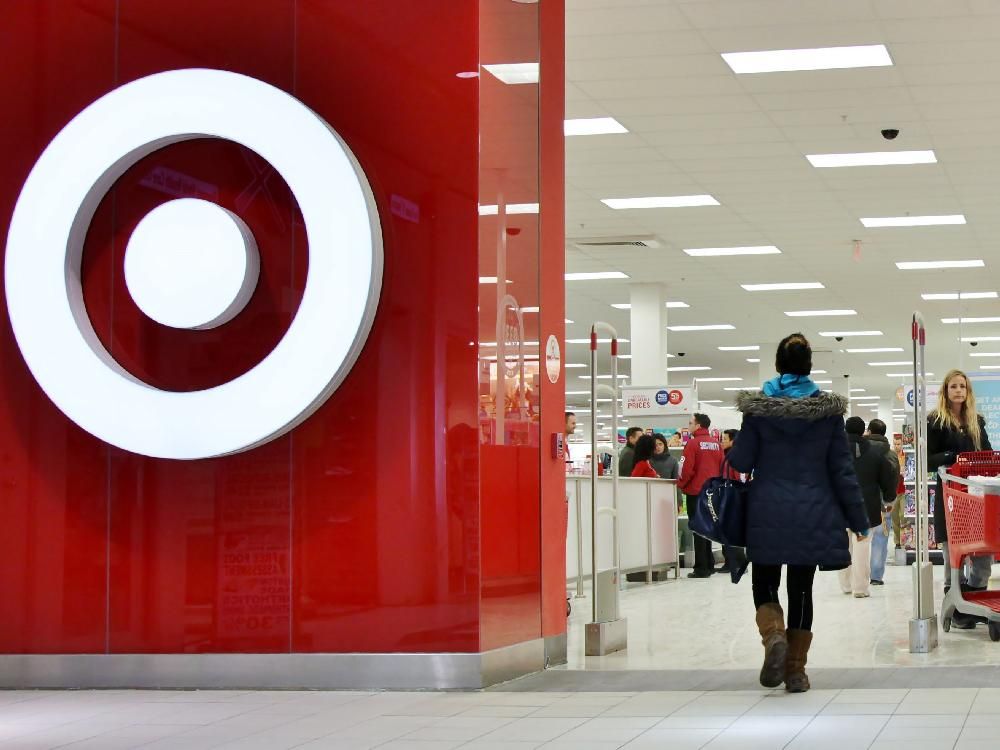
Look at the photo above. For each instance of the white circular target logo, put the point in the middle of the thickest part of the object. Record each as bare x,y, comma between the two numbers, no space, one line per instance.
192,264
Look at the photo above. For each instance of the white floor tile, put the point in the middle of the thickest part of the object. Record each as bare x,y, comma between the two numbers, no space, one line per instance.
673,739
533,730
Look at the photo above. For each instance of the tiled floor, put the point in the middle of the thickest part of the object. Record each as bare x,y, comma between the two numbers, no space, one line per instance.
709,624
919,719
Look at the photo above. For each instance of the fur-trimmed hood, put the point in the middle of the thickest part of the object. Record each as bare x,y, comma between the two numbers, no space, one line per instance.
810,408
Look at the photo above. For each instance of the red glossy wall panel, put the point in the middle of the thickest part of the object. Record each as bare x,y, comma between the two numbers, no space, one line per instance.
368,527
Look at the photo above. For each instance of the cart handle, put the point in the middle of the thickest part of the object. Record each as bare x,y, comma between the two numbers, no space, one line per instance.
946,477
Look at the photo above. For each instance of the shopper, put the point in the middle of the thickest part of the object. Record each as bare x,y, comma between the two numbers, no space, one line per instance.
569,429
664,463
880,534
956,427
877,478
734,558
643,454
702,460
803,494
626,456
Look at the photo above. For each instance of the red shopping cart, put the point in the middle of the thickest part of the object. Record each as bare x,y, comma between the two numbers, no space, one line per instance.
973,516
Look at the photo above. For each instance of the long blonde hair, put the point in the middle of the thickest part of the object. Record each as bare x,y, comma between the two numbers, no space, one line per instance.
943,416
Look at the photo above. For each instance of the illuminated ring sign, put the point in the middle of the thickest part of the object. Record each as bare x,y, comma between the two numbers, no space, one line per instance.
50,222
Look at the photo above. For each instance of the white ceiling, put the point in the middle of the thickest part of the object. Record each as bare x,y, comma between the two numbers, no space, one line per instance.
695,127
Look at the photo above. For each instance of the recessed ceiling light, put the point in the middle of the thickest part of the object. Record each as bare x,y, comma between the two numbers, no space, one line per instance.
926,265
989,367
835,334
871,159
688,368
985,354
624,356
754,348
710,401
593,126
707,252
967,339
875,350
857,390
599,341
817,58
789,286
491,280
864,398
819,313
734,389
823,382
960,295
953,321
890,364
819,372
753,360
515,73
903,374
602,377
728,408
492,209
717,380
672,305
874,222
570,365
661,201
714,327
595,276
577,393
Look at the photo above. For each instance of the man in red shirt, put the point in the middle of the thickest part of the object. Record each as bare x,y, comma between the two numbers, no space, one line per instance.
701,461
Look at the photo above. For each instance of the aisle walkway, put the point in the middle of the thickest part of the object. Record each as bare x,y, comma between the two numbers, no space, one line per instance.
958,719
709,624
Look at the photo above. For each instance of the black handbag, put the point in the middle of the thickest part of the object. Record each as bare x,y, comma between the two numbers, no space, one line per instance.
720,513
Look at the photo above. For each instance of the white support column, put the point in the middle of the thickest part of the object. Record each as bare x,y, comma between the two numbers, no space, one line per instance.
885,414
648,334
765,368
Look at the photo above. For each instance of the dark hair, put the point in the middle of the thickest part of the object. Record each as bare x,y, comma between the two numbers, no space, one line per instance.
703,420
732,434
876,427
644,448
855,426
662,438
631,431
570,414
794,356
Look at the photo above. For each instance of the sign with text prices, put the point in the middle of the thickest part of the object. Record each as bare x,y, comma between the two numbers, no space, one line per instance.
663,401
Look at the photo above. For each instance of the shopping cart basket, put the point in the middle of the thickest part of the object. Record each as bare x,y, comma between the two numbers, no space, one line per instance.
973,528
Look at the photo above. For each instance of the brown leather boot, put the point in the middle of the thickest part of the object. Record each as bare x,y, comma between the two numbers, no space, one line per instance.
771,623
799,641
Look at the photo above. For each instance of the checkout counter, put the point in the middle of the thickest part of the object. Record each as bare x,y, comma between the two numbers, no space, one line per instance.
647,527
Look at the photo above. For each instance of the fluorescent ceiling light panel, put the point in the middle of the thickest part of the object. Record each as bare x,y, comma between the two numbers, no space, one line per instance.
985,354
875,222
819,313
587,341
593,126
708,252
602,377
967,339
515,73
492,209
661,201
491,280
926,265
753,360
819,372
989,367
871,159
624,356
864,398
734,389
783,287
570,365
710,401
823,382
713,327
754,348
875,350
857,390
675,304
960,295
890,364
953,321
718,380
834,334
595,276
817,58
687,368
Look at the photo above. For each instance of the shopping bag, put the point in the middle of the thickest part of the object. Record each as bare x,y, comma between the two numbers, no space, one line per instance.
721,511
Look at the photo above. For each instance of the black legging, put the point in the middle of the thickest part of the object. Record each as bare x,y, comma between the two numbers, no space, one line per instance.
767,581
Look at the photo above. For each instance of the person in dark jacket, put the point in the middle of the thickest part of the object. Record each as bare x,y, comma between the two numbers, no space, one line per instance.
880,534
956,427
735,557
626,456
877,478
803,494
664,463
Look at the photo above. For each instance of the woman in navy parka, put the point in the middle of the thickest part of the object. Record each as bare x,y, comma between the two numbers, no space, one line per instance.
803,497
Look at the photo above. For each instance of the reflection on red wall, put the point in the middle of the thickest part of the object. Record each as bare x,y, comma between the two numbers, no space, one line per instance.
361,529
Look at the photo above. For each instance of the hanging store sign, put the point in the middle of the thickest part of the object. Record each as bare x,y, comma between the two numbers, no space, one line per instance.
661,401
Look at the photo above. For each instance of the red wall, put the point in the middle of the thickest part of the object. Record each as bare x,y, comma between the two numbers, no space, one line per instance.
381,523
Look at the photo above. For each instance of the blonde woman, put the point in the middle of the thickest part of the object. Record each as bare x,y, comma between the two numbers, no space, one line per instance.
956,427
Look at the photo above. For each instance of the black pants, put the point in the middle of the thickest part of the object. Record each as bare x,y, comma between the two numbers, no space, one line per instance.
734,556
704,560
799,583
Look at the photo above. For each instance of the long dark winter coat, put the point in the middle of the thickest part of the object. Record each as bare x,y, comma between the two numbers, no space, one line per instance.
804,494
877,474
943,445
